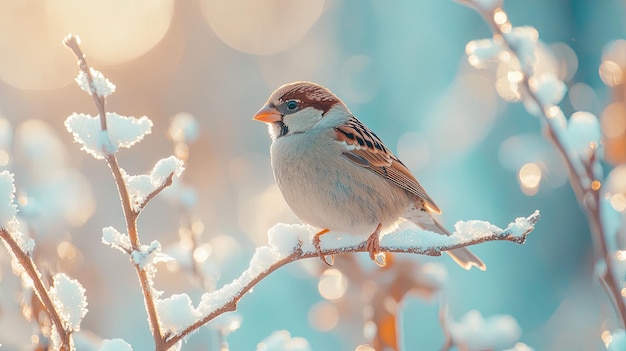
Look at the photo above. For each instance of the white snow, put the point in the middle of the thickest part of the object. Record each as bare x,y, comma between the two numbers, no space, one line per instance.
121,131
141,186
524,41
477,333
115,345
184,128
148,255
520,226
282,341
583,132
482,51
548,89
101,86
284,240
618,341
69,299
176,313
8,209
115,239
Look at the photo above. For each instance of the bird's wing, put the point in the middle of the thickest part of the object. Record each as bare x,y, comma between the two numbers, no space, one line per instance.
365,149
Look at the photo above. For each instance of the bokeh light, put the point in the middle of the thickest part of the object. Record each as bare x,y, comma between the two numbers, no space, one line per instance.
529,177
113,32
324,316
332,284
261,27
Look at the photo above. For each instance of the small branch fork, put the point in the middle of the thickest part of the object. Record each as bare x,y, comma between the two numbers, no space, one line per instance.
42,293
583,182
129,214
299,254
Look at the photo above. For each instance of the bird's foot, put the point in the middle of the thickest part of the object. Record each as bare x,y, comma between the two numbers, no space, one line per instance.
327,259
373,247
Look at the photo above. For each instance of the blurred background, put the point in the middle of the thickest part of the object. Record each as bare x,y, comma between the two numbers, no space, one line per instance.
401,68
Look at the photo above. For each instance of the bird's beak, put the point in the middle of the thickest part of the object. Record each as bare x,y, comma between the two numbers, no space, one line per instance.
267,114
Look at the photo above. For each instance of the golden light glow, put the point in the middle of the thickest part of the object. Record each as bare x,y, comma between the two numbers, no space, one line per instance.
246,25
595,185
197,227
500,17
506,27
202,253
332,284
623,292
470,47
113,32
515,76
529,177
504,56
364,347
473,60
620,255
507,90
618,202
611,73
613,120
172,266
324,316
4,158
553,111
606,337
67,251
34,339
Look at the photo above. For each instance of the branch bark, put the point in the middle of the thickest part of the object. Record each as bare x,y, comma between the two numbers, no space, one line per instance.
299,253
40,290
129,215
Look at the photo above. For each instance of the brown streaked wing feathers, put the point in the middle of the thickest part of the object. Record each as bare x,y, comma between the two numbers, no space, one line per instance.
371,153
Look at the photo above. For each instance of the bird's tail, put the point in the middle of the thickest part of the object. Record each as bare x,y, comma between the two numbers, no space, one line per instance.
462,256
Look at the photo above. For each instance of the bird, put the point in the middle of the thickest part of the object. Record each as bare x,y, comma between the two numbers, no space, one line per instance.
337,175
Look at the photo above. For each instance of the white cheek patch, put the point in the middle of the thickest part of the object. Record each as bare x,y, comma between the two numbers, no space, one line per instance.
302,120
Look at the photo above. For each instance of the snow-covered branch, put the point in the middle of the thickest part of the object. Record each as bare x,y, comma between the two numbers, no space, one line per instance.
102,140
64,302
291,242
577,141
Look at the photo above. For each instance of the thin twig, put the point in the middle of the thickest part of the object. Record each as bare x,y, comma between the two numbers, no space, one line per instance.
71,42
592,208
129,214
155,192
40,290
299,254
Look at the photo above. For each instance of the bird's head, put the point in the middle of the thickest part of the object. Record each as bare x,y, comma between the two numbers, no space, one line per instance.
301,106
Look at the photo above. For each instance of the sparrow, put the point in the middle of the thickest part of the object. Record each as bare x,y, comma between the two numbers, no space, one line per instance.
337,175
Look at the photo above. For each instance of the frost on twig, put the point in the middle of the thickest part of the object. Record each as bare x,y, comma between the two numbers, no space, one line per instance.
122,132
117,240
68,296
142,188
96,84
288,243
148,255
65,302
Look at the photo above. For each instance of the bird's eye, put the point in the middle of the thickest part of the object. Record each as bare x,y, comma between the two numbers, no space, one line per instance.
292,105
